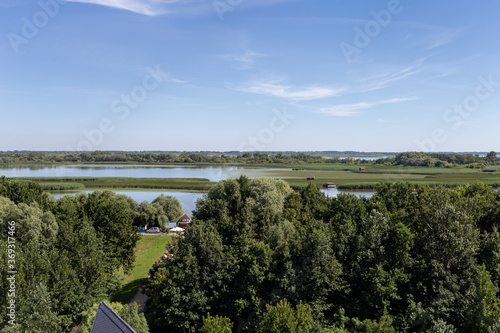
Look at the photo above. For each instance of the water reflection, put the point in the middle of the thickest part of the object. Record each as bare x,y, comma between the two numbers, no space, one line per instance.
333,193
212,173
187,199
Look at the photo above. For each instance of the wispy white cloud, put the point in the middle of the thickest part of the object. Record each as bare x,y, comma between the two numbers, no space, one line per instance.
339,111
434,36
383,80
390,120
276,87
444,37
348,110
409,71
244,60
167,77
160,7
144,7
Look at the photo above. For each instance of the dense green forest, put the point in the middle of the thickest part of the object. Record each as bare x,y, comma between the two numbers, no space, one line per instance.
68,253
261,257
268,259
406,159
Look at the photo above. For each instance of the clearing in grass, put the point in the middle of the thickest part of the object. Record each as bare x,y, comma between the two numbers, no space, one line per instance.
148,250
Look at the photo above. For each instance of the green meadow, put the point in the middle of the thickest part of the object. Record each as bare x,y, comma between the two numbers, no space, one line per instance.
148,250
80,183
345,176
350,176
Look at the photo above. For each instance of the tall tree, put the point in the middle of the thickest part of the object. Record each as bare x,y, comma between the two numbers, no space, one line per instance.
171,206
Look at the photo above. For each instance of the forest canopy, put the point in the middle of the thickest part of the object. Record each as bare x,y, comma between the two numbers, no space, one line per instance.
262,257
405,159
269,259
68,254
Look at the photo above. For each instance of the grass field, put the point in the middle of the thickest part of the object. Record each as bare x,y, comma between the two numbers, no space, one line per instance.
148,250
346,176
351,177
58,183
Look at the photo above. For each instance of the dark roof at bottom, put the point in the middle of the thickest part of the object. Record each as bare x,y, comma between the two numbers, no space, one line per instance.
107,321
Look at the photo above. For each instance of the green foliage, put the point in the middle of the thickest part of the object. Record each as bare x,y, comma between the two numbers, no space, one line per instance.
492,157
405,260
61,186
486,310
113,223
489,254
170,206
150,214
67,254
149,250
444,269
128,313
267,195
408,260
216,324
302,159
384,325
31,221
38,314
440,160
187,285
24,192
440,326
283,318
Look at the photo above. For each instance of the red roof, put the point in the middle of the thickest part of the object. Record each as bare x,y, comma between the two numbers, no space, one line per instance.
185,217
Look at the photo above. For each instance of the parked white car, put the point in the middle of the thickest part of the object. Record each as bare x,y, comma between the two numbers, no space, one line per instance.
153,229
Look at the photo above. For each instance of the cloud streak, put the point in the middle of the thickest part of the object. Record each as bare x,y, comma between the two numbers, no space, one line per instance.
276,88
383,81
349,110
242,61
144,7
161,7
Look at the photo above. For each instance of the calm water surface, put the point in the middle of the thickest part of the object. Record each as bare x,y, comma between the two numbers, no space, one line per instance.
212,173
187,199
333,192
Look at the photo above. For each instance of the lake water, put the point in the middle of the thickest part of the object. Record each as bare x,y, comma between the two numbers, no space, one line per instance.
364,158
333,192
187,199
212,173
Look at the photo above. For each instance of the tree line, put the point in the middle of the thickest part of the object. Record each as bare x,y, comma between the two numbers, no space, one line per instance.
404,159
69,254
260,257
445,160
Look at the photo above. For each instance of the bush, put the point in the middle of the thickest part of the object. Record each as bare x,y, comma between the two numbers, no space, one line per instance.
216,324
283,318
128,313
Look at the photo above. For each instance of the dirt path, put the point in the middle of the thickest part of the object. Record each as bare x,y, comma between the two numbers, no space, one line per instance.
140,298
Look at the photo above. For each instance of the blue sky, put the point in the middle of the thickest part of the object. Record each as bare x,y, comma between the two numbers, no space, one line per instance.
249,75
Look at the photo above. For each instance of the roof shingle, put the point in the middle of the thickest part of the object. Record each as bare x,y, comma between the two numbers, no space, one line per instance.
107,321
